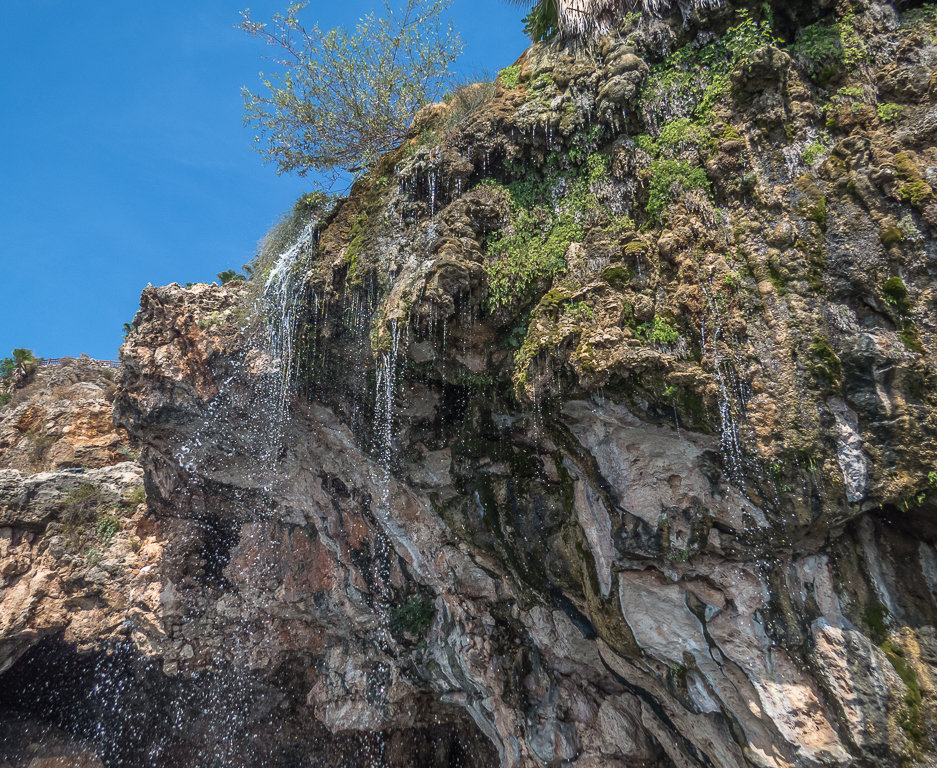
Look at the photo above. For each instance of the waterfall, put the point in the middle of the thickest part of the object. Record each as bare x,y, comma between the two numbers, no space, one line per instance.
731,403
384,398
281,306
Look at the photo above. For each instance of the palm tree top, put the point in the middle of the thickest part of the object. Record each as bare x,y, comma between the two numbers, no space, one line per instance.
578,17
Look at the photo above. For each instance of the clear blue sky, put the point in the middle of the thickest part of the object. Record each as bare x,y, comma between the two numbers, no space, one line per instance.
124,159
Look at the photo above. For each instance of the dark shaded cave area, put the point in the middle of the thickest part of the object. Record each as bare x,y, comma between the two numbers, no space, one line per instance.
63,708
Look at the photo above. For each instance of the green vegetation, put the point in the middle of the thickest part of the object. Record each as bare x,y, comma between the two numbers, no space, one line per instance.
896,295
510,77
697,79
926,14
874,616
412,617
678,555
825,363
658,332
136,497
889,112
578,311
230,276
912,719
547,215
617,276
813,152
345,97
89,516
911,340
827,50
466,99
913,188
816,211
670,178
542,22
80,511
309,208
107,527
20,360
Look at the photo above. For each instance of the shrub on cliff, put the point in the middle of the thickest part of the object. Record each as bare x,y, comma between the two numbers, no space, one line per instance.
344,97
21,360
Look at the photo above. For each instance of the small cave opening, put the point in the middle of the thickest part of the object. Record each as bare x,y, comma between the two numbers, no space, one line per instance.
114,708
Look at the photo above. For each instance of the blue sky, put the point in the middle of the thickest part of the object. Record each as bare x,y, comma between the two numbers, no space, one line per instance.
124,158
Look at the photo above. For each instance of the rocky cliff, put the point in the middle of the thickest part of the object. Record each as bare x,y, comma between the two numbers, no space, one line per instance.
595,427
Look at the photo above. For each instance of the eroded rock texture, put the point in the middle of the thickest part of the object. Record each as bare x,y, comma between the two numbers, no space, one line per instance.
595,428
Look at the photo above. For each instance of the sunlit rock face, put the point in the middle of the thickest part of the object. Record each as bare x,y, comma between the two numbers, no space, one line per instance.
60,416
596,427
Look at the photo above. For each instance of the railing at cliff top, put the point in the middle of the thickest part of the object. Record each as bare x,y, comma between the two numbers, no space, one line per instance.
61,360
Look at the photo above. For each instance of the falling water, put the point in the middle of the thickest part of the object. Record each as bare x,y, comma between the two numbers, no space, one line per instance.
282,306
712,339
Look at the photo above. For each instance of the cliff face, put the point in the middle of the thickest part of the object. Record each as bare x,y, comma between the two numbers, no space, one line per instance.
596,427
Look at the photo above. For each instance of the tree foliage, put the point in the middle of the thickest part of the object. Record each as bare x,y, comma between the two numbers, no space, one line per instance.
343,97
230,276
542,22
21,360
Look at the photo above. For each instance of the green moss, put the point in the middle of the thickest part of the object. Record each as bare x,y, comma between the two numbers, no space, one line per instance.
5,398
816,211
913,188
912,718
510,77
637,248
825,364
542,82
553,301
891,236
356,243
911,340
896,295
617,276
916,192
874,616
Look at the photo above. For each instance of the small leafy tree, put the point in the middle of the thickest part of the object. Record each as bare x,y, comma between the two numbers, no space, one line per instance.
344,97
230,276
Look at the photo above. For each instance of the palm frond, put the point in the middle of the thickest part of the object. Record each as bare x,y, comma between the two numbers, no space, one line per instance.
587,17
